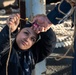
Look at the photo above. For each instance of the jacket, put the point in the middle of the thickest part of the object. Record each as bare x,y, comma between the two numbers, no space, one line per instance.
21,60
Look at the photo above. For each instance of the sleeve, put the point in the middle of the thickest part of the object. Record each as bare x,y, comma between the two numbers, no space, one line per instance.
4,37
59,12
44,46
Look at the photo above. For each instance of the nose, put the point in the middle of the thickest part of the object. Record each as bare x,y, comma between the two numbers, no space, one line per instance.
26,39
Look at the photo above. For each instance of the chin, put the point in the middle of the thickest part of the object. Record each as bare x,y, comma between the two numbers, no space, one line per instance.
22,48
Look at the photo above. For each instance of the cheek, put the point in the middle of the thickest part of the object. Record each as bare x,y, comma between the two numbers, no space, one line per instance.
17,39
31,43
19,36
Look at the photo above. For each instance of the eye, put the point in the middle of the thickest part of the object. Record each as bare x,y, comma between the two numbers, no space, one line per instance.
26,33
33,39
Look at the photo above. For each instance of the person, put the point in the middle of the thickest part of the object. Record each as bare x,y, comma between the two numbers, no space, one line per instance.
29,46
59,14
62,11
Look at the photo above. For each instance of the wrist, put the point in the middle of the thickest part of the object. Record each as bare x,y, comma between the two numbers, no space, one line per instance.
72,2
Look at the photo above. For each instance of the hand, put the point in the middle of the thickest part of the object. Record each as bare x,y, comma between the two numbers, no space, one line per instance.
72,2
38,28
13,22
41,23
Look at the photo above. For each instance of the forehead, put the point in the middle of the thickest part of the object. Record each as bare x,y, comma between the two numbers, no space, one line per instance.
30,30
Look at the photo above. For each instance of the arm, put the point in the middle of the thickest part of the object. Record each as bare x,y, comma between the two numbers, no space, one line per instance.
59,12
4,37
56,15
13,22
44,46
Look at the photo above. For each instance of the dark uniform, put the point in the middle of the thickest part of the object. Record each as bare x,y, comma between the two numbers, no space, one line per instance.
59,14
22,62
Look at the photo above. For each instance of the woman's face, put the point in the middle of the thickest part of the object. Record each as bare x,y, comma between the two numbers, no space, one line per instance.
26,38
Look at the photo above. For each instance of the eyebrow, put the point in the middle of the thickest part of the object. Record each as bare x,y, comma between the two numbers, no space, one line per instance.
30,33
